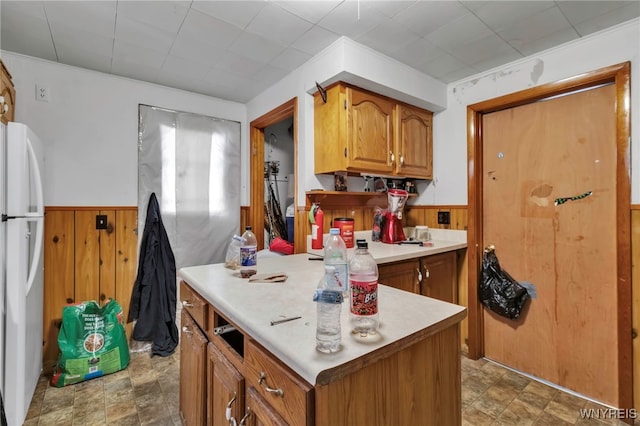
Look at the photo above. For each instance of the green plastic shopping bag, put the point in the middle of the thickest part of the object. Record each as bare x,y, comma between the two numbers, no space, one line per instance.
92,342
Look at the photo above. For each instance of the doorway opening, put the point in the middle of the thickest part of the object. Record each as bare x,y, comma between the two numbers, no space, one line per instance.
261,145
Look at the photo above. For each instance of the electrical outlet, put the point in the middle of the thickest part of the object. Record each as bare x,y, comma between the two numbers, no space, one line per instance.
42,93
444,218
101,221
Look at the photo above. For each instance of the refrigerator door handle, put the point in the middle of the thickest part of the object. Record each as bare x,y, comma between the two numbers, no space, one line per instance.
37,250
37,179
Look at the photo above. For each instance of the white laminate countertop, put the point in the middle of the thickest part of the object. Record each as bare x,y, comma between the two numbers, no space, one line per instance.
252,306
442,240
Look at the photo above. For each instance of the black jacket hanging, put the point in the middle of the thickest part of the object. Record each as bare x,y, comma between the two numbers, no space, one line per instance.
153,300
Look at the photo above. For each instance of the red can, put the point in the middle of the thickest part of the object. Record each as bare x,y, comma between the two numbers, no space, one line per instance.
345,224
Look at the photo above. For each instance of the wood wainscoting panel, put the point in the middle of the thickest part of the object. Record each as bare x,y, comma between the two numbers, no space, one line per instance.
126,231
83,263
428,215
107,263
87,255
59,273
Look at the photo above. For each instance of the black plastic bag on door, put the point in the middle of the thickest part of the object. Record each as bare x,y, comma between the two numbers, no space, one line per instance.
498,290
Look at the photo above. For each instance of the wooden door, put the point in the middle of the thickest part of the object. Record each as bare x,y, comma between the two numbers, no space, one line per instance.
225,388
370,132
534,155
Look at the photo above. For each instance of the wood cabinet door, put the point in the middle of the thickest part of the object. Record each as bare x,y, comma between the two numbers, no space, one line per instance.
260,413
193,353
369,132
225,389
439,277
414,142
402,275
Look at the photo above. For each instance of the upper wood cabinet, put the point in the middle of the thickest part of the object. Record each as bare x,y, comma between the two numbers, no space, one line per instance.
7,91
362,132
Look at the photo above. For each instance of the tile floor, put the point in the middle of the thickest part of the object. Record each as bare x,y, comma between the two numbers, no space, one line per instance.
147,393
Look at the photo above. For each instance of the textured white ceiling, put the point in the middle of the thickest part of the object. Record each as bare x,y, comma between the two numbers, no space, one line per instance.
236,49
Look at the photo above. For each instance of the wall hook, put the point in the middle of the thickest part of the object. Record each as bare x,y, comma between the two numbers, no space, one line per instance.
323,92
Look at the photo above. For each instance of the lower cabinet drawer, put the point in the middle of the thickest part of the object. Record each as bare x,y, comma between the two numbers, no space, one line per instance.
289,395
195,304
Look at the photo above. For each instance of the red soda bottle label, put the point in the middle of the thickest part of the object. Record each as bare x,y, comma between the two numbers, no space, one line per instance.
364,297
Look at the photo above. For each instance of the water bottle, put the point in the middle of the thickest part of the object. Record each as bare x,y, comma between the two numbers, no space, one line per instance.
248,255
335,254
363,283
328,297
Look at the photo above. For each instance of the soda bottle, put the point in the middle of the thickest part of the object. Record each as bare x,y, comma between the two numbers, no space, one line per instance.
328,297
363,284
335,254
248,255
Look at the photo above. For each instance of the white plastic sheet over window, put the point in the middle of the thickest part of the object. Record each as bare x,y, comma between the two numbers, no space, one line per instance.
192,163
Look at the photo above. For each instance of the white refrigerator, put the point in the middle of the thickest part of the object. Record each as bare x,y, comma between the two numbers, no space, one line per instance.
21,262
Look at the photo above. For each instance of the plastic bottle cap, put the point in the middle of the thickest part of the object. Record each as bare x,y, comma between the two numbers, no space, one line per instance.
334,231
247,228
363,244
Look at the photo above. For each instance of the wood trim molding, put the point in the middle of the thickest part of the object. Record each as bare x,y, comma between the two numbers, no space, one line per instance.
76,208
620,76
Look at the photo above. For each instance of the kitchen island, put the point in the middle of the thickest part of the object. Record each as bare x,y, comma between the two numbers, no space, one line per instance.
231,355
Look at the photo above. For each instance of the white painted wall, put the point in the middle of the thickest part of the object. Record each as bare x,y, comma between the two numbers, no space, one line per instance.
610,47
90,127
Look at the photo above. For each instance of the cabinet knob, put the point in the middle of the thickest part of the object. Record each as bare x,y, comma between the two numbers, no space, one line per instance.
186,304
401,160
419,275
392,158
426,271
262,381
186,330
